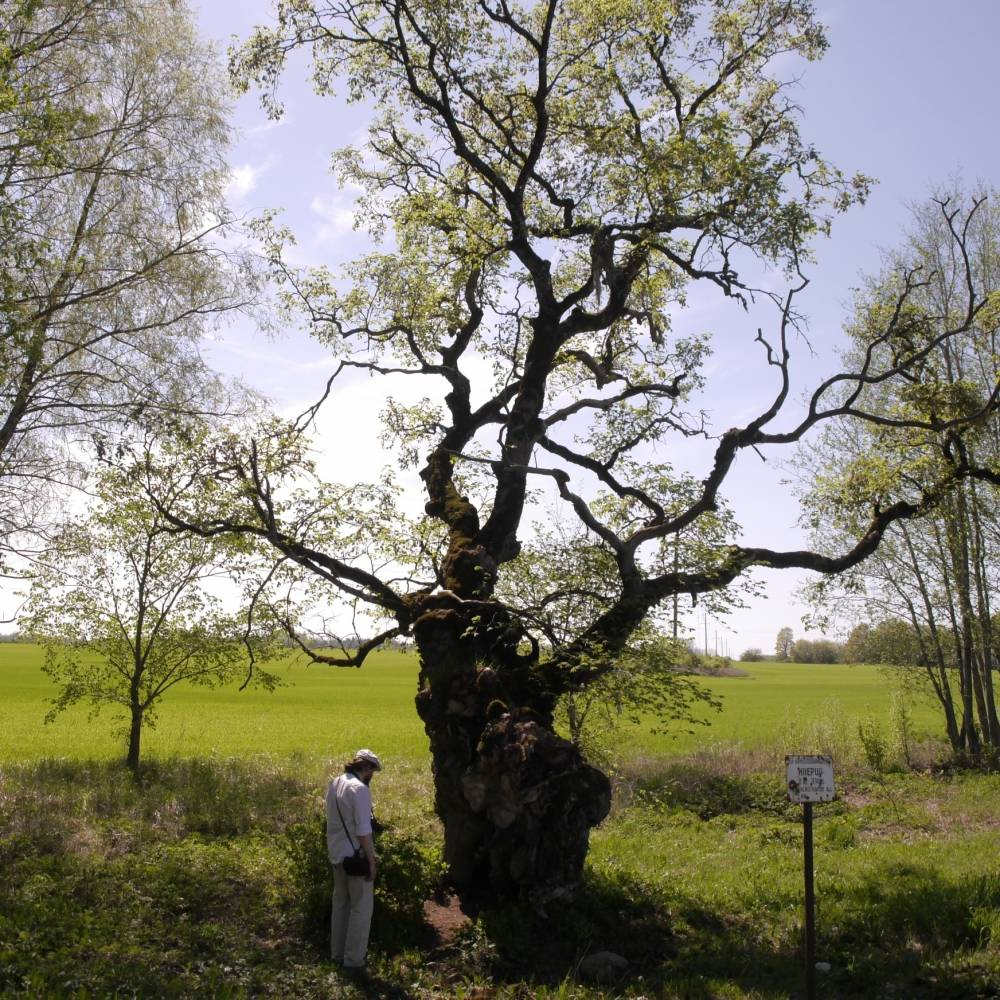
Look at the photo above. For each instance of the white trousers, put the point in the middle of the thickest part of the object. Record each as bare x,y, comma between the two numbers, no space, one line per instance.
351,917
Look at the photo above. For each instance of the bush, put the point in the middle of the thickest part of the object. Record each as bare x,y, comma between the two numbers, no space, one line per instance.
409,872
874,745
752,655
817,651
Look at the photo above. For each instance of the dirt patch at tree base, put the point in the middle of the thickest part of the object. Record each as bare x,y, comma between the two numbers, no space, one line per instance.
446,918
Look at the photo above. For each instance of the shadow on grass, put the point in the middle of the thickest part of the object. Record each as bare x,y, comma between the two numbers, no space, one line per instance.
904,932
410,871
379,988
171,798
210,878
926,935
675,947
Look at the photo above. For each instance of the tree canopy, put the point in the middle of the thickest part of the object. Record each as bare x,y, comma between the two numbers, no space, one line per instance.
783,643
931,589
113,131
544,182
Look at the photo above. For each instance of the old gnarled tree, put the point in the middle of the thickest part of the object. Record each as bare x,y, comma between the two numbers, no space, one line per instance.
554,175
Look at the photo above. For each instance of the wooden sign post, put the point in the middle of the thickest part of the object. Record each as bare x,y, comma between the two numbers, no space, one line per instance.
810,779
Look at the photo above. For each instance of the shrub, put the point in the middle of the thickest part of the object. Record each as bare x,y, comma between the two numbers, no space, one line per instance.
817,651
874,745
409,872
901,720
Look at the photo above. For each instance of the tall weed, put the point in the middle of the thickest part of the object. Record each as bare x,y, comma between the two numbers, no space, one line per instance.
901,722
874,745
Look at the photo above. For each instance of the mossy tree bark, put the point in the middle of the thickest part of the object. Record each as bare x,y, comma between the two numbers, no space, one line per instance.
517,801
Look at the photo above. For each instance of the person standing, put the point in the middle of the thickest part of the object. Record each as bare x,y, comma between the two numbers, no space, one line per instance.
348,827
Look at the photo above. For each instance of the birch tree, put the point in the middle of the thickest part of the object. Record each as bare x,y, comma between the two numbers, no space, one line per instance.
937,574
113,131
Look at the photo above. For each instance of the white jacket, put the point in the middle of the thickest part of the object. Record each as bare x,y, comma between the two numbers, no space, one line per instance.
354,799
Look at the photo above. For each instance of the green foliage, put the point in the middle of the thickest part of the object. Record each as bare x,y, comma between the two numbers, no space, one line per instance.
874,745
893,642
816,651
562,580
122,607
651,683
112,184
410,871
706,794
839,832
901,723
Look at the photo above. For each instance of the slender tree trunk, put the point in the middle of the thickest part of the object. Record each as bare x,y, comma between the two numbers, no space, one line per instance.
984,623
970,631
134,736
937,664
947,547
574,720
517,801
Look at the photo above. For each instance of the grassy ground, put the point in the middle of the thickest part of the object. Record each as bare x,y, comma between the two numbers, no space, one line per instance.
208,878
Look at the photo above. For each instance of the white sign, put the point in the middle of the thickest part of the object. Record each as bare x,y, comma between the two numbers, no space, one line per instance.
810,778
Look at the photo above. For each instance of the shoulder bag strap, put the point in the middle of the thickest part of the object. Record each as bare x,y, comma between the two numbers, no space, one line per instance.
342,823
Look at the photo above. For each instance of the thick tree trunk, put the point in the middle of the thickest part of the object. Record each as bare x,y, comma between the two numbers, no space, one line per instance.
517,800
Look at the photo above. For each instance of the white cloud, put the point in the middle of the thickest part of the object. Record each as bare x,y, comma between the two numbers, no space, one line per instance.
242,181
268,125
244,178
337,214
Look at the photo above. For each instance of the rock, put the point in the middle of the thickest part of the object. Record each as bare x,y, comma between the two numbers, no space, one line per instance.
604,967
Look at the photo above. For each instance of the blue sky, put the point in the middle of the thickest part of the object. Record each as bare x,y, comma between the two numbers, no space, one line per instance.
906,94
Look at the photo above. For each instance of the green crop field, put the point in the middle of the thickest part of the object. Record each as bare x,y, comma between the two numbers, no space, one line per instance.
320,711
790,702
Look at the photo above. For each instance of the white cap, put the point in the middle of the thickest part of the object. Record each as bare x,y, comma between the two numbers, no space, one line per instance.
369,757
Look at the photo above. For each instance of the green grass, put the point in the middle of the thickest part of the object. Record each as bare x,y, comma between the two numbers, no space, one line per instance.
320,711
208,877
907,883
790,703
